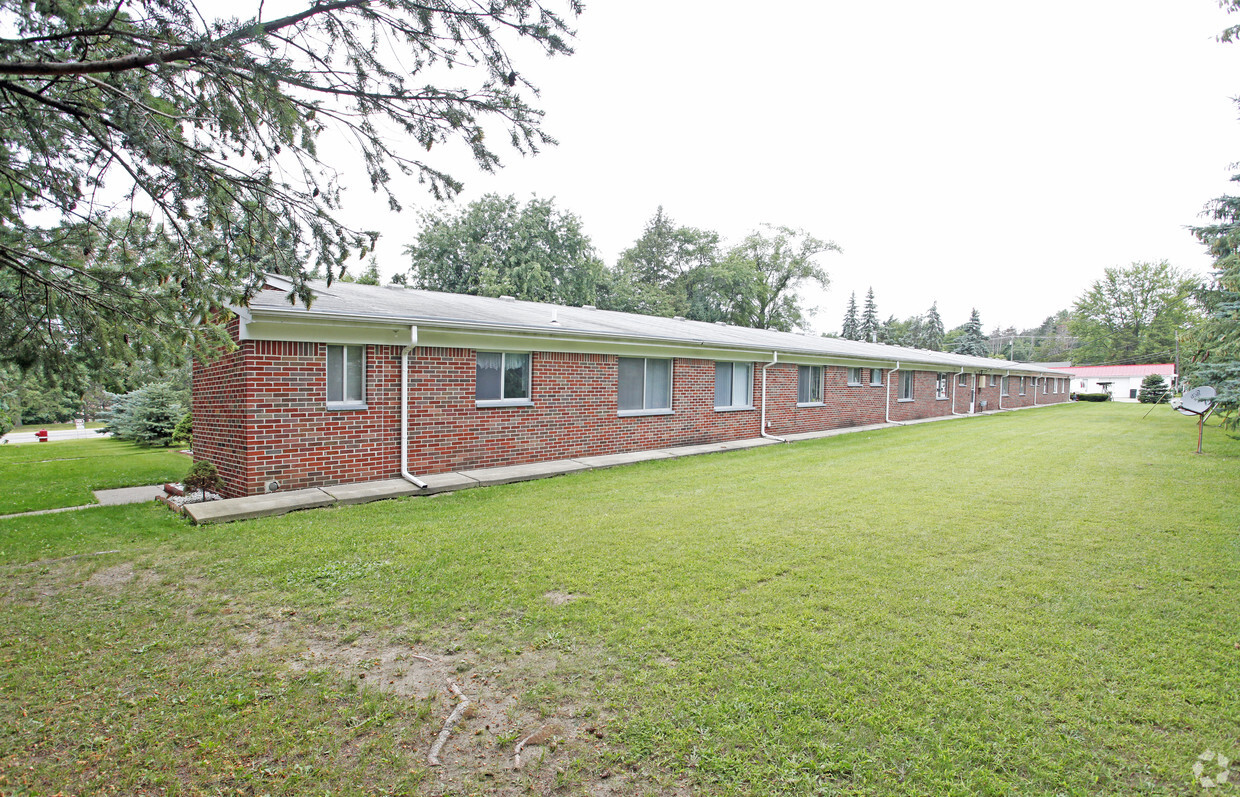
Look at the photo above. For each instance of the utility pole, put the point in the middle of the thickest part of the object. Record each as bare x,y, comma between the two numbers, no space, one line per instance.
1177,360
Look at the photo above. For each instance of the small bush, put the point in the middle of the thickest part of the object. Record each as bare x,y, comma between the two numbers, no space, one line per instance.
202,476
184,430
1093,396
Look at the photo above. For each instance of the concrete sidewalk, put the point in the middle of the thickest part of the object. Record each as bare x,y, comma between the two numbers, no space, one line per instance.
55,434
255,506
117,497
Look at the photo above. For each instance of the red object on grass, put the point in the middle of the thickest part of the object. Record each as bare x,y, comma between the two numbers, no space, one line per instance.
42,435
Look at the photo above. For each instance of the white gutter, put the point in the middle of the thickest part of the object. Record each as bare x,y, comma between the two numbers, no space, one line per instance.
404,410
888,401
955,385
768,436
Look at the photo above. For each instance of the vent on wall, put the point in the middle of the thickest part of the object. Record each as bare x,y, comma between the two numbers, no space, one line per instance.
273,486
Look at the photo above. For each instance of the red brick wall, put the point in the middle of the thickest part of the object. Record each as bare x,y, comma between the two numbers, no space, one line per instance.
263,416
218,408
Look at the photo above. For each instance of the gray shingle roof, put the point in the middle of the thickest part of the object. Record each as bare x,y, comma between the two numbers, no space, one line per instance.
431,308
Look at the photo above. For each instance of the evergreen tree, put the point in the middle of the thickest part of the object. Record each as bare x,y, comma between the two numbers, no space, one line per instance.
973,340
210,120
1216,341
852,330
932,331
1153,390
869,319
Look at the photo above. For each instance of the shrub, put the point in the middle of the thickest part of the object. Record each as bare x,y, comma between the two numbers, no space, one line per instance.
147,415
1093,396
184,431
1153,390
202,476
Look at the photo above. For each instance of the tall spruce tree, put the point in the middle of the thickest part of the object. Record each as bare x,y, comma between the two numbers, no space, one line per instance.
852,330
932,331
973,341
1216,340
869,318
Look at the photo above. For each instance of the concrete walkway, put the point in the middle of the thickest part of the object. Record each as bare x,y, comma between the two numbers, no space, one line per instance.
255,506
117,497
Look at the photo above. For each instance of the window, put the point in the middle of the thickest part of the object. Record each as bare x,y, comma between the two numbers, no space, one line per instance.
854,376
502,378
1003,385
732,381
645,386
876,377
1022,385
906,385
962,379
346,376
940,386
809,384
1054,385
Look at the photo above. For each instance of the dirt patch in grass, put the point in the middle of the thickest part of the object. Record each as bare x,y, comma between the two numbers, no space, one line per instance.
566,738
559,598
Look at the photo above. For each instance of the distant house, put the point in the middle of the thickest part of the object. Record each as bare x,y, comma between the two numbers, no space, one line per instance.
377,382
1121,381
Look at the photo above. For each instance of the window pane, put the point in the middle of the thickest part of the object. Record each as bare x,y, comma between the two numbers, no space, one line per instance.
658,384
740,385
516,376
876,376
723,384
632,383
335,373
354,373
802,384
486,384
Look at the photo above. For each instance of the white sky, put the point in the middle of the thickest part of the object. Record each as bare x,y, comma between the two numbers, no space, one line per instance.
974,153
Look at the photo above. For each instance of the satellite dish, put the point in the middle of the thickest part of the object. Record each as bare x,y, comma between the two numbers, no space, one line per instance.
1198,400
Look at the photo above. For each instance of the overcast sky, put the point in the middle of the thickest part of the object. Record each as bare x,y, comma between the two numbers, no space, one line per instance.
978,154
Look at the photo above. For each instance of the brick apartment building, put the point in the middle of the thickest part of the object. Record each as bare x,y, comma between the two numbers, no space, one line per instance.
313,397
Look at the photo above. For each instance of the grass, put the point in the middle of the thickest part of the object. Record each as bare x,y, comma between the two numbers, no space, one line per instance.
64,472
1042,602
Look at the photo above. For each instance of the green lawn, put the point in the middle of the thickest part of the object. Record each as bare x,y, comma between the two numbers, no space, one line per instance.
64,472
1040,602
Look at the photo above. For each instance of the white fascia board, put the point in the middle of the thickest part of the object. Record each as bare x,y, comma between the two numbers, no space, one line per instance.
297,324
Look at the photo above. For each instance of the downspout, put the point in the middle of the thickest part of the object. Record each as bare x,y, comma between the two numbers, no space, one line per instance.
775,359
404,411
891,373
955,387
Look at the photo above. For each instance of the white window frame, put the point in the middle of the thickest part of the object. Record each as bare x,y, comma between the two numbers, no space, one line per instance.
345,403
507,401
962,379
940,386
1022,385
854,377
748,405
907,381
876,381
815,394
646,410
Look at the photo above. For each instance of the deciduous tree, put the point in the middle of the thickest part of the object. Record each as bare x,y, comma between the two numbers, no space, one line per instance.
761,275
1132,314
496,246
656,275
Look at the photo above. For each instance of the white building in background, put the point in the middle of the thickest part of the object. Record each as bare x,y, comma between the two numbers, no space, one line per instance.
1121,381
